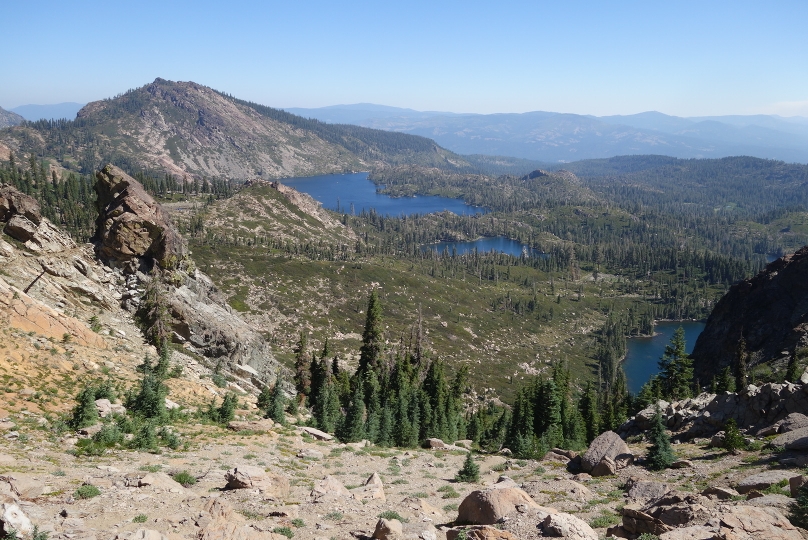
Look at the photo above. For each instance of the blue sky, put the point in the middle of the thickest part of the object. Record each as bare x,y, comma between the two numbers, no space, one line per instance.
683,58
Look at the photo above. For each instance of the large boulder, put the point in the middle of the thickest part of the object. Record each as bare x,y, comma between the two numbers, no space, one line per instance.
372,489
567,526
763,480
328,489
793,440
751,523
645,490
607,445
131,225
12,518
388,529
488,506
252,477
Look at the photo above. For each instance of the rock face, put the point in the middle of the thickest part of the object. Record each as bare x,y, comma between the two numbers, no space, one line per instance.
607,454
131,225
769,311
252,477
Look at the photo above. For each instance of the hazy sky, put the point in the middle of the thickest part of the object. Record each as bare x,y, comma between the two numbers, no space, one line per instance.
683,58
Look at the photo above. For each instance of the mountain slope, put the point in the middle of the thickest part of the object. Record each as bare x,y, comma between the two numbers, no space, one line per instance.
188,129
8,118
769,312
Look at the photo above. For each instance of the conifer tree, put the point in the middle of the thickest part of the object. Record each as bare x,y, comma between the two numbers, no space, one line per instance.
792,371
370,352
676,368
660,455
733,440
470,472
85,412
302,373
588,405
264,399
277,403
740,366
352,428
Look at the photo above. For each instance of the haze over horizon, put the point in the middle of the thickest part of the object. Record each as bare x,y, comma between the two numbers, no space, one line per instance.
685,60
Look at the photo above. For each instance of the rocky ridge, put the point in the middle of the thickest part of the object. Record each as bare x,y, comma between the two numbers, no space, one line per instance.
769,312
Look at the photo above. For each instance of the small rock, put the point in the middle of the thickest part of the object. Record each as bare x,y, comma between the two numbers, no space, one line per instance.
388,529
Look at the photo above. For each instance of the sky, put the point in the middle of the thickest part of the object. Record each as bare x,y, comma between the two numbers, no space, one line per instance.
683,58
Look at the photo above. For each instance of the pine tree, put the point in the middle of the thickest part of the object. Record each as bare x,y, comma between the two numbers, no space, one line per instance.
660,455
277,403
85,412
676,368
470,472
792,371
352,428
302,373
227,410
264,399
740,366
733,440
370,352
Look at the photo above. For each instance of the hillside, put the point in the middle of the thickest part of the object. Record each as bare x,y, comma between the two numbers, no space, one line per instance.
8,118
187,129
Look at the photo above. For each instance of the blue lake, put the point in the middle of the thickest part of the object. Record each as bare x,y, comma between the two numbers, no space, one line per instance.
643,353
349,193
484,245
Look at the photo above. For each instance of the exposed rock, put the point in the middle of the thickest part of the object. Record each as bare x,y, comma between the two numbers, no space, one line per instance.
20,228
763,480
105,407
434,444
636,521
249,477
717,440
750,523
310,453
682,464
14,202
793,422
158,480
316,433
723,493
488,506
25,486
480,532
373,489
388,529
795,483
567,526
605,467
793,440
142,534
13,518
328,489
766,311
695,532
262,426
607,445
226,530
131,225
645,490
559,493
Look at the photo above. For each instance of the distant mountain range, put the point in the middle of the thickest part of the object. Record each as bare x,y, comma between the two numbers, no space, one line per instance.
47,112
559,137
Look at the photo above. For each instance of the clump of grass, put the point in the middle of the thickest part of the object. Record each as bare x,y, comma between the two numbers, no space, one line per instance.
140,518
420,494
452,507
151,468
185,478
392,514
87,491
604,520
334,516
449,492
285,531
297,522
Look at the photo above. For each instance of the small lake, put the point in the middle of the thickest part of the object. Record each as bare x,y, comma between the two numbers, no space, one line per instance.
352,193
484,245
644,352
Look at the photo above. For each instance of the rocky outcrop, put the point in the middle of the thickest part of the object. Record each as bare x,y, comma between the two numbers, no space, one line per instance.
763,410
24,223
132,229
769,311
606,454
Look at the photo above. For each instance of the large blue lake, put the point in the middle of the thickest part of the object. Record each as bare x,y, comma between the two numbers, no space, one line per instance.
352,193
644,352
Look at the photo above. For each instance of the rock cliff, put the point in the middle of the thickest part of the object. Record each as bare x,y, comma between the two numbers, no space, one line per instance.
769,311
136,234
131,226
